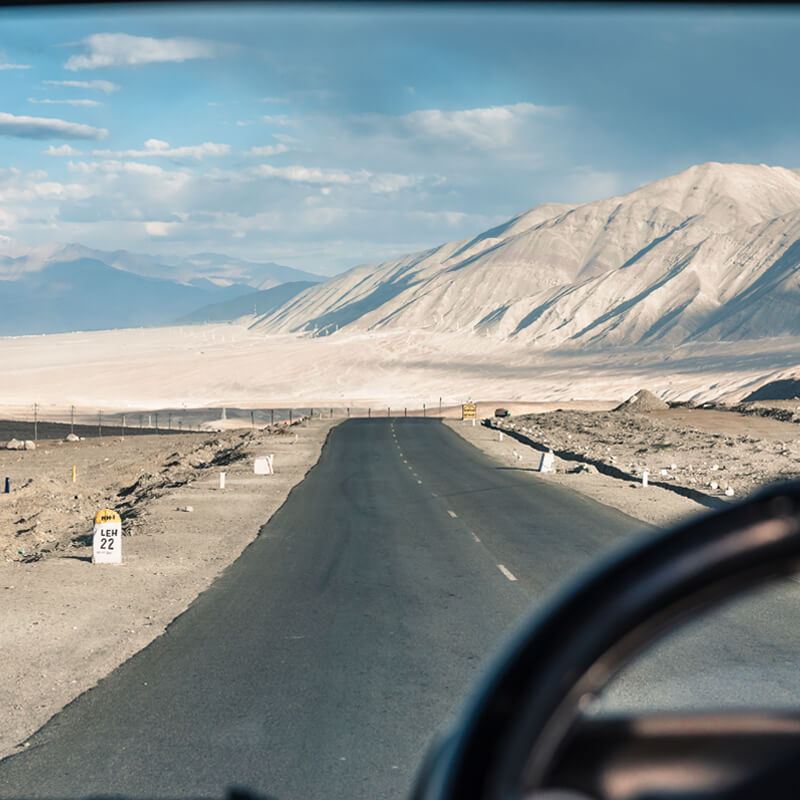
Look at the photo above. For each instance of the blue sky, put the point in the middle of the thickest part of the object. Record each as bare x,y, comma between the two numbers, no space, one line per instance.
325,136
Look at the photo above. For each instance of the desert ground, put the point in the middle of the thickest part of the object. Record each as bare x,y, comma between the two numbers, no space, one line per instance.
65,622
231,365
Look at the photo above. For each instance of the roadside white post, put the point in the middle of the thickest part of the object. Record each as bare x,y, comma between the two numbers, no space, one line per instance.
645,476
222,480
501,436
546,462
107,538
264,465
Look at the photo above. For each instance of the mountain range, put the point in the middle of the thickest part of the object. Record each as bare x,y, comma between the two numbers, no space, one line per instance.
54,288
711,253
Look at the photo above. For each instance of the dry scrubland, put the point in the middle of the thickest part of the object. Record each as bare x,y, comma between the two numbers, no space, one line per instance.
64,622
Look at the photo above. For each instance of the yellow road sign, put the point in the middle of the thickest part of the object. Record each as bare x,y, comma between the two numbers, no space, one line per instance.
106,515
468,411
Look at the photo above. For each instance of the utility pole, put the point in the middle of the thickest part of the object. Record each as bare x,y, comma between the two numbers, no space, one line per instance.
72,419
36,422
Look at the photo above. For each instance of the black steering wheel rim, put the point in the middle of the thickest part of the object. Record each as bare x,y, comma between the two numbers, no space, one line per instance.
510,732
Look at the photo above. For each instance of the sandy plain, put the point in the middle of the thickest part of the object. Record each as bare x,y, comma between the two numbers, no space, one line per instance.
231,365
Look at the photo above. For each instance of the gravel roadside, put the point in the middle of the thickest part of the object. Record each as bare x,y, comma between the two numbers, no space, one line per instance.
66,623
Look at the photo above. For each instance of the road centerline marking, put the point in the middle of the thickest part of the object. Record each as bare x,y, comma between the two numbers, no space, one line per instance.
475,537
452,513
506,572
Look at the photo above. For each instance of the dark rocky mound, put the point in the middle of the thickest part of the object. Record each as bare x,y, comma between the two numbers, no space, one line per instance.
786,389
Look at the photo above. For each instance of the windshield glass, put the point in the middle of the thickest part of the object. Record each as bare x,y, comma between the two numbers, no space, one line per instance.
335,339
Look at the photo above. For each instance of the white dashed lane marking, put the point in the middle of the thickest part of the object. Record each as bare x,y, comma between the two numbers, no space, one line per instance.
506,572
475,538
452,513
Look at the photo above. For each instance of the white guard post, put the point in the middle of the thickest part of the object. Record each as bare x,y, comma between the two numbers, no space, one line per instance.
264,465
546,462
107,539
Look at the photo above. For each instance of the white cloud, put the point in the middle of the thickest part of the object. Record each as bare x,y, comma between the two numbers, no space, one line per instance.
277,119
101,86
112,167
384,183
46,128
280,100
47,101
268,150
241,123
33,199
298,174
482,127
158,229
157,148
122,49
62,150
388,183
14,66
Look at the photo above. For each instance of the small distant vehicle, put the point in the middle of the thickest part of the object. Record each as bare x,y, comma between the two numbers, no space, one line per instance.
501,412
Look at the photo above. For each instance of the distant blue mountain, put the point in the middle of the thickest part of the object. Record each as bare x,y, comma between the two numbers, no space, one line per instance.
87,294
252,303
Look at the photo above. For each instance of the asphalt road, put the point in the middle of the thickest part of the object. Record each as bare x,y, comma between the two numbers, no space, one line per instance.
322,661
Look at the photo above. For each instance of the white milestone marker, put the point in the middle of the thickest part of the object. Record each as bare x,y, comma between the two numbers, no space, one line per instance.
501,436
264,465
222,480
107,539
645,476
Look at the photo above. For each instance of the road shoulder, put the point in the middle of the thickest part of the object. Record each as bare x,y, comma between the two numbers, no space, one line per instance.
66,623
652,505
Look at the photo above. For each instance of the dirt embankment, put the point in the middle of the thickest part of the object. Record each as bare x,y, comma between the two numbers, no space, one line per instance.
65,622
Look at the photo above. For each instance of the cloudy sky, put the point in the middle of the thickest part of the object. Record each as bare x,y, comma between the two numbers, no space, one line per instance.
325,136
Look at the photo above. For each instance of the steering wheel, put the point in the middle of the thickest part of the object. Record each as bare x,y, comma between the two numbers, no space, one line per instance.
523,735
